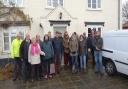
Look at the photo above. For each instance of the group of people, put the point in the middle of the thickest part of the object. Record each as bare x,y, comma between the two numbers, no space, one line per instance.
35,59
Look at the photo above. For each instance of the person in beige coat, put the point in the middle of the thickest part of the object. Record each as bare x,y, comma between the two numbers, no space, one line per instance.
66,48
73,46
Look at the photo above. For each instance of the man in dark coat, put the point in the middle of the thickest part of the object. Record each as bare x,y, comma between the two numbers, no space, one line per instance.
24,57
62,53
90,47
57,45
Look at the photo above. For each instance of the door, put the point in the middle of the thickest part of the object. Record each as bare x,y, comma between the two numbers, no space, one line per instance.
121,53
61,29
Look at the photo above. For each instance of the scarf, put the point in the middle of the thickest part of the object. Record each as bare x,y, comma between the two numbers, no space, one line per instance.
34,49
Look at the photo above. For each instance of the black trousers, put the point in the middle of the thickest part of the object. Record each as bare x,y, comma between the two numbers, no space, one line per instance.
26,70
35,71
46,67
17,68
91,54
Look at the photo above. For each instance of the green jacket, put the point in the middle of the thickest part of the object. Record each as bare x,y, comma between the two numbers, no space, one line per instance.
48,50
15,48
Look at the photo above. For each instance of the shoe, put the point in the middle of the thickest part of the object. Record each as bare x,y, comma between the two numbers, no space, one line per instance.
101,74
13,79
32,80
46,77
24,81
50,76
96,71
40,79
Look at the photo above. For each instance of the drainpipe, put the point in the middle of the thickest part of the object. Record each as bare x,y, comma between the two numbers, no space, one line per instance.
119,14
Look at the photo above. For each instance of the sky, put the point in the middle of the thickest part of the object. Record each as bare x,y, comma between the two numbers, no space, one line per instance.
123,1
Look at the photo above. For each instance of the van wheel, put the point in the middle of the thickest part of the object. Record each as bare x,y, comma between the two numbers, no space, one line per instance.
110,68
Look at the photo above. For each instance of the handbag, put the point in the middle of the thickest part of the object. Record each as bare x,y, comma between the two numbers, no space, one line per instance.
52,68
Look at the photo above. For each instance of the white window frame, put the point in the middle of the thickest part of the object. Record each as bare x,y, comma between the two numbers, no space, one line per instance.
16,5
97,5
47,6
95,26
10,35
7,51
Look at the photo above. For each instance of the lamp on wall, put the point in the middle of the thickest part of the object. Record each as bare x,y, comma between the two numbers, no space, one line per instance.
41,26
60,15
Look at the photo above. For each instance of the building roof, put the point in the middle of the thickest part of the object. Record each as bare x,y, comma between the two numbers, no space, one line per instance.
15,23
13,16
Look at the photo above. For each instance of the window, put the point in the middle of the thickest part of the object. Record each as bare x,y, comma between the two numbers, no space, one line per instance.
6,41
94,28
17,3
8,37
54,3
94,4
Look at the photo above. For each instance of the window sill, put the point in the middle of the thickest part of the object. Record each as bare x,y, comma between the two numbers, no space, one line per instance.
6,52
9,6
98,9
49,8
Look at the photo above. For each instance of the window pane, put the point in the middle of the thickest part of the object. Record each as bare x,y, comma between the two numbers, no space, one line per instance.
93,5
19,2
55,3
6,34
49,2
93,1
89,1
89,5
6,46
99,3
6,41
61,2
12,2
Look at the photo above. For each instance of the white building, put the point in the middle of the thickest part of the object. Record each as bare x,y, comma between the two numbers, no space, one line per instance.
60,15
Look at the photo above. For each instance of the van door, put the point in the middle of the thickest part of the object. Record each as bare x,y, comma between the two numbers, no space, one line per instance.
121,54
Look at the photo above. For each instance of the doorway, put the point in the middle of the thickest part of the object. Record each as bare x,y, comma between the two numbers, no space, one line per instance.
60,29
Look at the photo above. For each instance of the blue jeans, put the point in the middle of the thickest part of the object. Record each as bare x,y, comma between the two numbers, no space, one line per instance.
82,61
98,61
74,63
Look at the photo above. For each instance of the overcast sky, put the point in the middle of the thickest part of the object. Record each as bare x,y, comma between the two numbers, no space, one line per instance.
124,1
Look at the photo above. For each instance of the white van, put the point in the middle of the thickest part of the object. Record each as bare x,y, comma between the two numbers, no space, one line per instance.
115,51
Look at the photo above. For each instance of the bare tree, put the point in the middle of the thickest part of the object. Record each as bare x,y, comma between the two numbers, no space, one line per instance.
125,11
